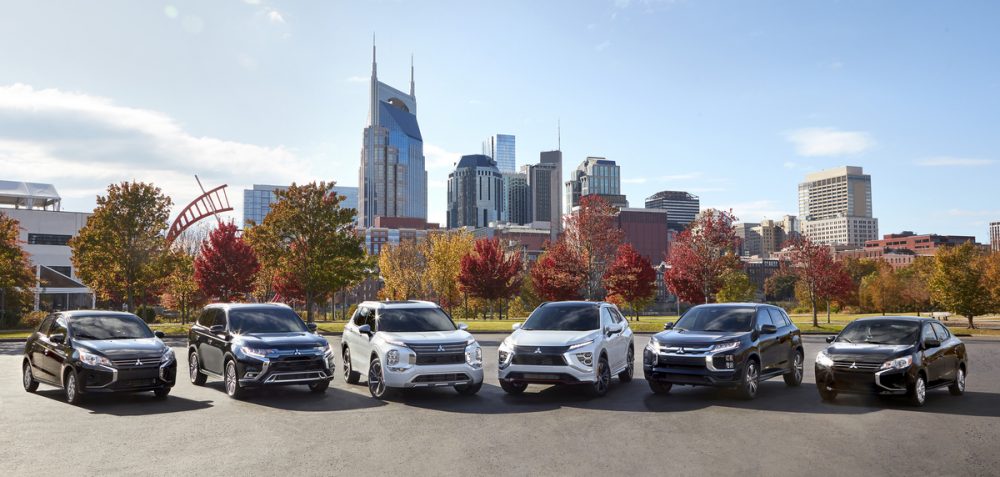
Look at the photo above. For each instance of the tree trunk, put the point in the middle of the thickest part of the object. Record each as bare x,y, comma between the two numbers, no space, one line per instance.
971,326
309,307
828,312
812,301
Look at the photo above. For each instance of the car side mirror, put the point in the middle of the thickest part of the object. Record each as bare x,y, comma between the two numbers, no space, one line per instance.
463,326
217,329
829,339
768,329
669,325
159,334
515,326
931,343
311,326
58,339
365,329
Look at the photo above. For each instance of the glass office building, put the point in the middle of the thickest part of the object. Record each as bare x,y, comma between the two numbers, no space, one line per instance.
257,201
500,148
595,176
681,207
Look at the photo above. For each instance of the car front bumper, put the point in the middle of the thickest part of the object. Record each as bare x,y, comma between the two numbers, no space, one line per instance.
697,369
308,369
424,376
565,374
105,379
889,381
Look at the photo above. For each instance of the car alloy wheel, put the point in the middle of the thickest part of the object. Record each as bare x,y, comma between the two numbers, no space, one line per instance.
30,384
751,380
919,395
350,375
376,384
626,375
600,386
794,377
233,388
958,387
72,393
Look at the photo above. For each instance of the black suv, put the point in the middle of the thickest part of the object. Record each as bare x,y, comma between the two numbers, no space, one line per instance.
893,355
725,345
254,345
87,352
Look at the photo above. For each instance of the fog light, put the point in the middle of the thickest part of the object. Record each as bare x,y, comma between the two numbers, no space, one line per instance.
586,358
392,358
729,361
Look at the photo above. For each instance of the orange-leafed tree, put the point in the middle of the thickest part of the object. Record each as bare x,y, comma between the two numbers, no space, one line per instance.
591,233
490,273
630,280
559,274
227,266
701,256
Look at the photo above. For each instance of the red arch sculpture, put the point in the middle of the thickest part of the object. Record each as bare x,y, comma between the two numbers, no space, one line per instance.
208,204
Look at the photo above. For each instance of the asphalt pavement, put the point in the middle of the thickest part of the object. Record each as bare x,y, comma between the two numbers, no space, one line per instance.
546,431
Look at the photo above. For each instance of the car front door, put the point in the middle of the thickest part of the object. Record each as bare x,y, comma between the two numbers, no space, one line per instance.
361,348
610,342
622,337
948,364
213,348
767,342
56,353
932,356
784,348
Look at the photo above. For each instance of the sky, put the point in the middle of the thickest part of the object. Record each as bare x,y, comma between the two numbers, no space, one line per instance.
734,101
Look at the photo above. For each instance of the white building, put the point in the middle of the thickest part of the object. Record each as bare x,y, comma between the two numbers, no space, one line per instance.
45,234
835,207
995,236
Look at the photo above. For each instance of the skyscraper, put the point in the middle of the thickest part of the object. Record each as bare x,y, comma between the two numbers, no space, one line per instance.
475,192
257,201
393,179
595,176
517,199
500,148
681,207
835,207
545,180
995,236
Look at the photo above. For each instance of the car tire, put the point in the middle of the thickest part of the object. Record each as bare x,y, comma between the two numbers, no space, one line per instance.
233,387
194,370
750,383
376,380
350,375
958,387
794,376
916,393
626,375
72,388
469,389
319,387
826,394
28,379
510,387
602,380
659,387
161,393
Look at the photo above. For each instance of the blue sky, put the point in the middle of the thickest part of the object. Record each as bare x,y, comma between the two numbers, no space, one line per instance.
734,101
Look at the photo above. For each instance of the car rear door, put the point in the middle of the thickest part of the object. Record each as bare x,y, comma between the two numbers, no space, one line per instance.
37,348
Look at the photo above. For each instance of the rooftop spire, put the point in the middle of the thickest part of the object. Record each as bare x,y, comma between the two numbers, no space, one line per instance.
412,88
558,134
374,66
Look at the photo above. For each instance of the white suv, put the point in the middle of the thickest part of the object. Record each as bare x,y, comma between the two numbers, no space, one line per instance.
410,344
572,342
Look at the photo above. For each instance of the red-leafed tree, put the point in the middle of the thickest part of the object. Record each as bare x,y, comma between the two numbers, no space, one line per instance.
489,273
592,234
226,267
820,276
701,256
559,273
630,280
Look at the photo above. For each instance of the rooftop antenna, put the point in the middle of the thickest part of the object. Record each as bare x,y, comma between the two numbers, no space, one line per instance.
559,134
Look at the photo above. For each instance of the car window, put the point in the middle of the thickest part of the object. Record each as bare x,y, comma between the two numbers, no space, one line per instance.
218,317
616,316
606,319
941,331
58,327
370,318
264,320
785,316
205,319
927,333
716,318
109,327
43,328
776,317
359,316
410,320
763,318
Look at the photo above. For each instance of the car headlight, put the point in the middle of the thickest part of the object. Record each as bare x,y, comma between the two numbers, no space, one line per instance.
470,341
898,363
505,354
94,359
580,345
398,344
167,356
729,346
474,356
653,346
823,360
392,358
257,352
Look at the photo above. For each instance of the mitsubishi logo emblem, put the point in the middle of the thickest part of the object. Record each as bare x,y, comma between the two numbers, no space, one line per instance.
297,352
854,365
138,362
538,350
440,348
680,350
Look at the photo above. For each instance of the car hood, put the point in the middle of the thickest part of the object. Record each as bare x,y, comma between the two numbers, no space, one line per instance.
867,352
551,337
280,340
115,349
453,336
697,338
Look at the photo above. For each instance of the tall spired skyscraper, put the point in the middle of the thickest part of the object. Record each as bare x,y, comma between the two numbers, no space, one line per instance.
393,179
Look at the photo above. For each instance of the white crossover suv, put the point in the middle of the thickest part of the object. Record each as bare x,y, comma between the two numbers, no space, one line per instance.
572,342
410,344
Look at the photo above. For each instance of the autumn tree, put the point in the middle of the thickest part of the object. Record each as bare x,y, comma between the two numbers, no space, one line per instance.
882,291
121,251
182,291
736,287
592,234
858,268
490,273
914,281
780,286
630,280
559,273
444,254
226,267
701,256
308,237
959,281
820,276
16,277
991,278
402,268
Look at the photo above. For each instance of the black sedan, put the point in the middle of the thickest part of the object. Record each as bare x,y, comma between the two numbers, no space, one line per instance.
87,352
894,355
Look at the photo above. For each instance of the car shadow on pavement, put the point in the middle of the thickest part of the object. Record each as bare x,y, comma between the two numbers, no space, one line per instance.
130,404
299,398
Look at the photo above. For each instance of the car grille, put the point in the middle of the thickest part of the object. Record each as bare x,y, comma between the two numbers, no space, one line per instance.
540,349
682,362
425,348
432,359
684,349
298,363
145,361
441,378
854,365
540,359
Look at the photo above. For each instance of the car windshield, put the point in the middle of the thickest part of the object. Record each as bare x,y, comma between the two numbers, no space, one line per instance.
406,320
891,332
558,317
265,320
108,327
724,319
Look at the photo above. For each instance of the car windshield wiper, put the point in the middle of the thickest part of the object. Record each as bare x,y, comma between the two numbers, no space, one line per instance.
85,336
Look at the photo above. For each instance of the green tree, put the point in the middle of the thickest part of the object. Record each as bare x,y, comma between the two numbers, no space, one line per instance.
736,287
882,291
16,277
402,268
780,286
444,254
959,281
182,291
309,239
121,252
858,269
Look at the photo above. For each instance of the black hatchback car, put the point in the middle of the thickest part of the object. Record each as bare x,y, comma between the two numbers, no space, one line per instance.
725,345
89,352
256,345
892,355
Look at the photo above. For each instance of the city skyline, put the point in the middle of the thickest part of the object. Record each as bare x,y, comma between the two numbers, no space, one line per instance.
279,99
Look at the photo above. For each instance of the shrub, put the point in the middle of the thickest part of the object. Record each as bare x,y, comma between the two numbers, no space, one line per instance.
148,314
32,319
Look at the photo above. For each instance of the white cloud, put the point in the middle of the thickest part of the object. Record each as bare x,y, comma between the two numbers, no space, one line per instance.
275,16
816,142
947,161
436,157
357,79
82,143
602,46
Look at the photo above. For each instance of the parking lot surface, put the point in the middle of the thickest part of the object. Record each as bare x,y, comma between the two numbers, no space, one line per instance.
546,431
